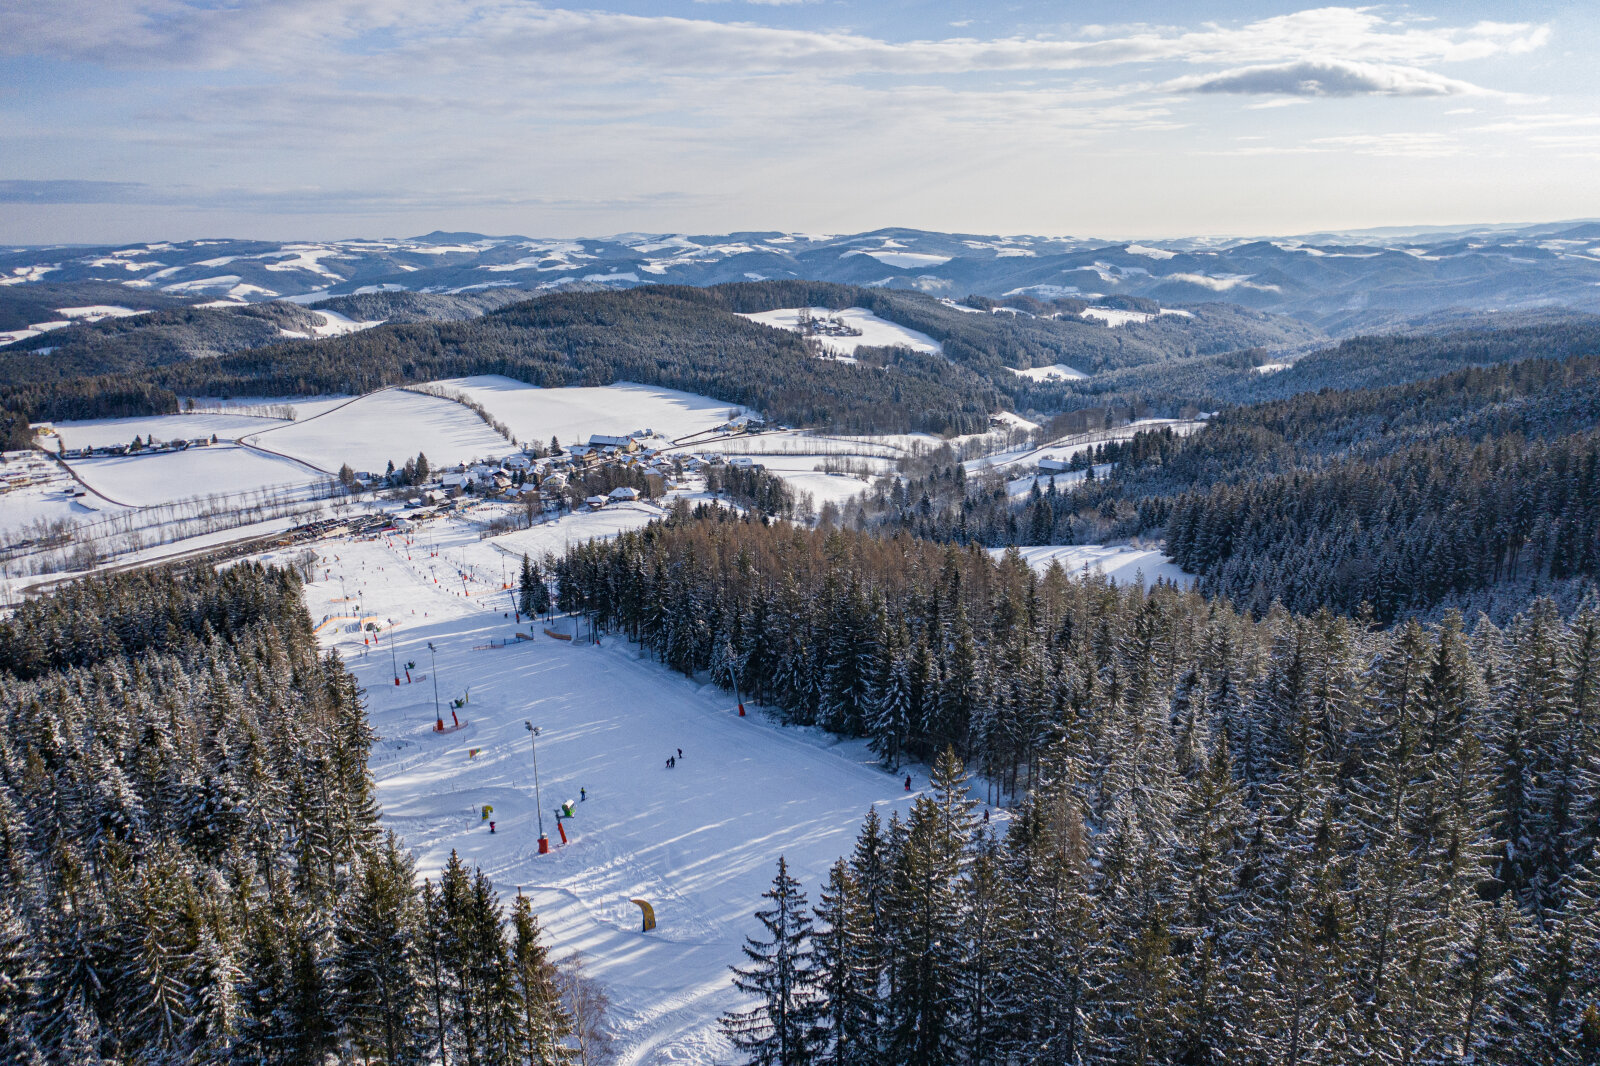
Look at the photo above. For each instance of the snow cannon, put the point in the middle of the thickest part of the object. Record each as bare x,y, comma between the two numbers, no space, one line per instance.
567,809
488,809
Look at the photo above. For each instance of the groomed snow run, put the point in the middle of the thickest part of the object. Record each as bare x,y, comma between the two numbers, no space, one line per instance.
700,841
875,332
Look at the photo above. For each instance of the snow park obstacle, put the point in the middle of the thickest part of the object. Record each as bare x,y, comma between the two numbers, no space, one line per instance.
648,914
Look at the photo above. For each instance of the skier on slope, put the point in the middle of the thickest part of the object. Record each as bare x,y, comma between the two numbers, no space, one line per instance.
908,782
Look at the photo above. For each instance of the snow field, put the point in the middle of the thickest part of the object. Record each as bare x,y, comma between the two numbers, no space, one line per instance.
46,499
875,332
1067,447
102,432
391,424
1055,372
333,324
577,528
151,479
535,414
700,841
1122,565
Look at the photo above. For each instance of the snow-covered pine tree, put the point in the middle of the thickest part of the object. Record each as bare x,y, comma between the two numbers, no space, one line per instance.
924,917
526,580
889,719
845,978
378,959
546,1025
987,1006
783,1028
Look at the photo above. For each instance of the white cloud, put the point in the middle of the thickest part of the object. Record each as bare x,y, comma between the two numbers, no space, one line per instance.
188,33
1428,145
1326,77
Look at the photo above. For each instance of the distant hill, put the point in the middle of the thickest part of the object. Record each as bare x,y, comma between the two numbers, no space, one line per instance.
1343,283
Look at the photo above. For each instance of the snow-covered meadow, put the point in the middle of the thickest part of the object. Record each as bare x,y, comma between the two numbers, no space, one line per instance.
219,470
1054,372
391,424
1122,565
573,414
875,332
103,432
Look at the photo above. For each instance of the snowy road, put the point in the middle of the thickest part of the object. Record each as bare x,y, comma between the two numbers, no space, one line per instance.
699,841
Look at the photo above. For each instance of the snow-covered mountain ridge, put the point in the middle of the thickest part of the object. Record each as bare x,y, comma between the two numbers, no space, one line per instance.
1335,279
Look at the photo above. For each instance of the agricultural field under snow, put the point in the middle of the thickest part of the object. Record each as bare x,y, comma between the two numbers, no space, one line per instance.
392,424
103,432
573,414
700,841
1121,565
875,332
1054,372
221,469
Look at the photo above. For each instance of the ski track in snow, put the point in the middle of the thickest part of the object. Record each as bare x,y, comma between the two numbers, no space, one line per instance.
700,841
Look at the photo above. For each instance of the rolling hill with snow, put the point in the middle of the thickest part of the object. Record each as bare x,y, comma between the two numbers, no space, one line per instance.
1341,281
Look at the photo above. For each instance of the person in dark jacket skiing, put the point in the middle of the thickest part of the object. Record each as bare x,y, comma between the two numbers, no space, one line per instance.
908,782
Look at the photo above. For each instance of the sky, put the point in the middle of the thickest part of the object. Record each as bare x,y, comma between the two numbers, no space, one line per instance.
131,120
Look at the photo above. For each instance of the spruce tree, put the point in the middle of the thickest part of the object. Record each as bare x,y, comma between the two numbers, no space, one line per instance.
783,1028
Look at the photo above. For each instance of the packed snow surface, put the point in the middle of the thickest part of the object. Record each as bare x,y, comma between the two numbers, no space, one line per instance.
536,414
1054,372
392,424
151,479
1122,565
875,332
700,841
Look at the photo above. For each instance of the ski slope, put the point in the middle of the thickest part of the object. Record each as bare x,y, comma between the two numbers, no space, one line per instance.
700,841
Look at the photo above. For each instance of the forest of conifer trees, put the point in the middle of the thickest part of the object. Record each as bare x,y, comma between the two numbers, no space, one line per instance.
1298,839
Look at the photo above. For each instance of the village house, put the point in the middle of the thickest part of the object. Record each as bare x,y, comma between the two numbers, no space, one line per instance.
624,493
621,444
